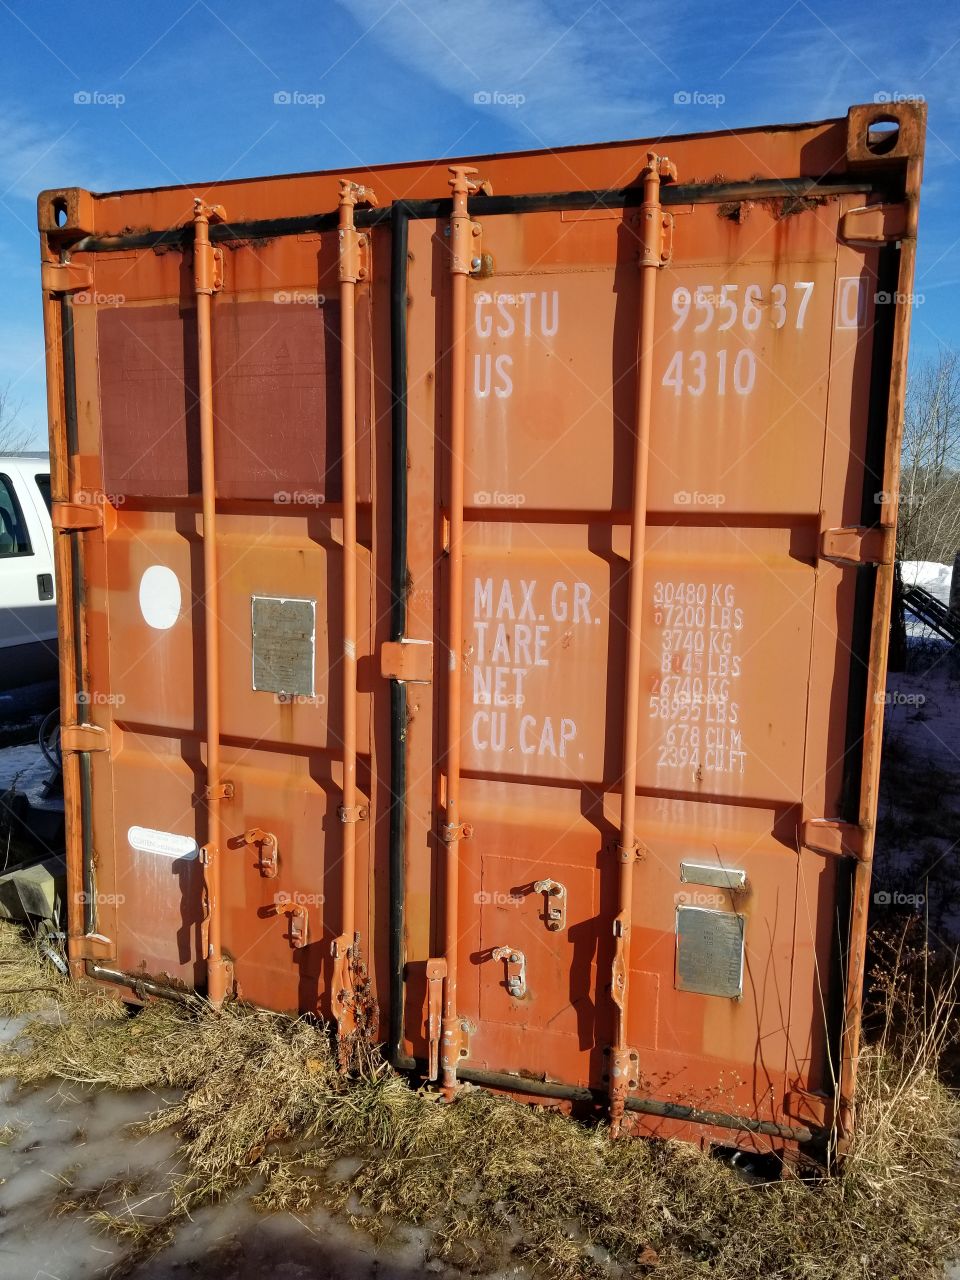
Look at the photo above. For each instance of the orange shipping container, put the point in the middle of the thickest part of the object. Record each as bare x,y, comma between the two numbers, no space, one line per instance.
474,596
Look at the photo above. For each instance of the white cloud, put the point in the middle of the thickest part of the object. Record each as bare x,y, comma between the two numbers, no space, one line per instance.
35,156
576,67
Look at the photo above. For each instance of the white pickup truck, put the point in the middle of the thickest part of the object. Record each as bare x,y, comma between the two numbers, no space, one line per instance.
28,610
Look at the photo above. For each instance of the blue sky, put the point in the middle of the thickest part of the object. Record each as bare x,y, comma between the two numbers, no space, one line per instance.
184,91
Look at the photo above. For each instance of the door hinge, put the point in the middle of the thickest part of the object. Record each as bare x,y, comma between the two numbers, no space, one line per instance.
83,737
874,224
858,545
73,517
824,835
92,946
66,277
409,661
813,1108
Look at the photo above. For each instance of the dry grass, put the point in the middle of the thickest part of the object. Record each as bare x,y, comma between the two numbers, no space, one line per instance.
262,1099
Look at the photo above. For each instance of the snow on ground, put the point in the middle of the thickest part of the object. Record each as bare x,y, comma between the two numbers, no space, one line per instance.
15,761
934,577
61,1140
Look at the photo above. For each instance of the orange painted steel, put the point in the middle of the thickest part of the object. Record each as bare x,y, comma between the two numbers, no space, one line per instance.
350,272
205,267
464,247
623,1065
532,525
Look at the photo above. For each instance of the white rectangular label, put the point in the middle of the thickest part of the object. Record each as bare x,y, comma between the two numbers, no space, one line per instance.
165,843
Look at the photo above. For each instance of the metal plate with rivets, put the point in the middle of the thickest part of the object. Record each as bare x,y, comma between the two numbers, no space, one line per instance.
710,952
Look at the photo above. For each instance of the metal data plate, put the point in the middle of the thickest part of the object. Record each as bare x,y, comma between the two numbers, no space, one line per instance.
284,643
712,874
710,952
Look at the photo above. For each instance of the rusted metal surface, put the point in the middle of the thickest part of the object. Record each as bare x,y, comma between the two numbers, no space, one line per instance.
208,280
623,454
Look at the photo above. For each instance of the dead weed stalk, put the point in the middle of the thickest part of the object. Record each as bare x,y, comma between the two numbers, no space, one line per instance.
260,1099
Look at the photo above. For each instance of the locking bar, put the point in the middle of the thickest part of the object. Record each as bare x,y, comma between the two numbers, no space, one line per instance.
653,253
205,284
464,249
353,266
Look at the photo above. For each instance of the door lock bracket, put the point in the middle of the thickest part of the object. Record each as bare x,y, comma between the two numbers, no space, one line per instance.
556,903
299,919
516,964
266,844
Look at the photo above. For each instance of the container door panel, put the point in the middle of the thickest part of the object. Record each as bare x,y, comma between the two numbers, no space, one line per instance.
276,357
746,637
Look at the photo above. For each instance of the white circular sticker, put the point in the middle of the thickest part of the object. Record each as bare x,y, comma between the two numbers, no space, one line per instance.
160,597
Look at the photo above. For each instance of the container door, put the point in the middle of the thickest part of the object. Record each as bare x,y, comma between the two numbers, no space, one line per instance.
765,320
276,376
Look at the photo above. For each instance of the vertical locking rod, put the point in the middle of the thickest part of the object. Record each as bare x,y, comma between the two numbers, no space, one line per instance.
351,270
205,284
464,248
622,1068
